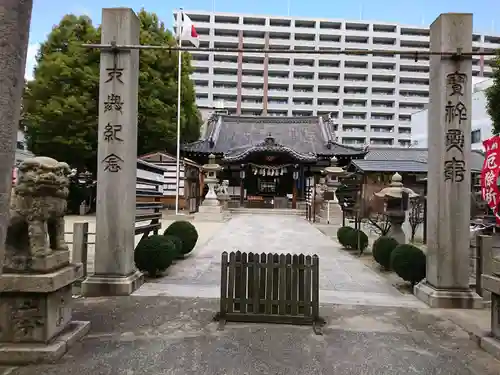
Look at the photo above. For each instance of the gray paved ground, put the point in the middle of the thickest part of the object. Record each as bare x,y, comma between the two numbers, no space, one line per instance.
343,278
163,335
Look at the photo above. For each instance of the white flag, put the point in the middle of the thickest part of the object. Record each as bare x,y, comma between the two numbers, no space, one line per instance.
187,31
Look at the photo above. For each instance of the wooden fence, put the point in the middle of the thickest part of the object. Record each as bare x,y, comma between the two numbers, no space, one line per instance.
487,262
270,288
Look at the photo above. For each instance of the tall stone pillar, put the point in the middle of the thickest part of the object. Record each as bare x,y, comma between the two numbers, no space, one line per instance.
449,179
115,272
15,17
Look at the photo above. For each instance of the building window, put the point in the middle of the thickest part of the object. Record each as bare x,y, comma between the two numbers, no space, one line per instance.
475,136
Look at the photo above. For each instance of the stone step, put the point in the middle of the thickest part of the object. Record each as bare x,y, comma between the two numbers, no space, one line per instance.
267,211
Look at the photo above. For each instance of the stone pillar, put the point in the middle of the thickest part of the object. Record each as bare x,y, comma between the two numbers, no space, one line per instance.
15,19
449,179
115,272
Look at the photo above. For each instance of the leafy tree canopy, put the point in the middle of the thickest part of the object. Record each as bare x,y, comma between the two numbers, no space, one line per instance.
493,97
61,102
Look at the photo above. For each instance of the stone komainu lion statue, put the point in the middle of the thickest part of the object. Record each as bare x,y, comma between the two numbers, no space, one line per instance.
38,205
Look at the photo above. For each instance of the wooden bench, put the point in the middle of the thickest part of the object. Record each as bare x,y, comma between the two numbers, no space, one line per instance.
270,288
149,210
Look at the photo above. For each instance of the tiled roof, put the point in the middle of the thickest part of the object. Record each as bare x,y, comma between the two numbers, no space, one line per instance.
305,135
397,153
392,159
390,166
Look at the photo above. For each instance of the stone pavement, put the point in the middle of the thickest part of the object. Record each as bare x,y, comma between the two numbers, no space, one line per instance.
343,278
155,336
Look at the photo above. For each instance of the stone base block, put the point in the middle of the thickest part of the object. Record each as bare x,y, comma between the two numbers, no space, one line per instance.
31,353
210,209
34,317
447,299
491,345
210,213
27,264
40,283
102,285
211,217
210,202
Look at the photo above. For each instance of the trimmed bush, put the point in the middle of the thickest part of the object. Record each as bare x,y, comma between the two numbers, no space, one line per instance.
178,244
353,237
408,262
382,249
154,254
186,232
176,240
343,235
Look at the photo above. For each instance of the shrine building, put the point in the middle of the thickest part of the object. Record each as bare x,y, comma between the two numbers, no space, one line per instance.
270,162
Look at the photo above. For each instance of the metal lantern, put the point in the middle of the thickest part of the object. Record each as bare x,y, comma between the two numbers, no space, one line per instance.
295,175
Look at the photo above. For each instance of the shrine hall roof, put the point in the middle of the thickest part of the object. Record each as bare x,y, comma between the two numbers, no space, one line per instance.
307,137
409,160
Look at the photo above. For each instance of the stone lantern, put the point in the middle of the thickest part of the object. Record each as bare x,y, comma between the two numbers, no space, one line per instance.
396,198
210,209
330,208
333,173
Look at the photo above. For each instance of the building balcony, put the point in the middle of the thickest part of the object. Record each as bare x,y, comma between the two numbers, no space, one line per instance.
279,80
252,79
252,104
222,65
303,94
271,105
251,92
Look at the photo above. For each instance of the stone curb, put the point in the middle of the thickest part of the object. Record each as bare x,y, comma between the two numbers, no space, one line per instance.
480,336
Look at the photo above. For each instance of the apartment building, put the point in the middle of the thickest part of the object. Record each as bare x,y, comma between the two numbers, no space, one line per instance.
481,124
370,96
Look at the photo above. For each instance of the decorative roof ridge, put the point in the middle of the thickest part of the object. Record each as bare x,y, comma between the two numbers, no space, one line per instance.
209,126
268,144
361,149
327,125
216,132
324,132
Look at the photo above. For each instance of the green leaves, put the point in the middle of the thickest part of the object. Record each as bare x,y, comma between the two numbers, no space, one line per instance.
60,105
493,97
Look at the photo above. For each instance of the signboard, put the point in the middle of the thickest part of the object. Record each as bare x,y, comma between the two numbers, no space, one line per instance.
328,196
489,175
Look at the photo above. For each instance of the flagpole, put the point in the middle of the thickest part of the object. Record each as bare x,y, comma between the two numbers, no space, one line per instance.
179,85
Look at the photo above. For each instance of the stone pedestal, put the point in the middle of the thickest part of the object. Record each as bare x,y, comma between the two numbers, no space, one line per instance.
115,272
449,179
396,231
223,200
210,213
35,309
210,209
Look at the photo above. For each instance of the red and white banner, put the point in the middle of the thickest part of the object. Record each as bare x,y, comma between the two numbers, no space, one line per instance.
489,175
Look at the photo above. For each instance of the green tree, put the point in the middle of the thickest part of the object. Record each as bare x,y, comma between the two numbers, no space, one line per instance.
493,97
61,103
